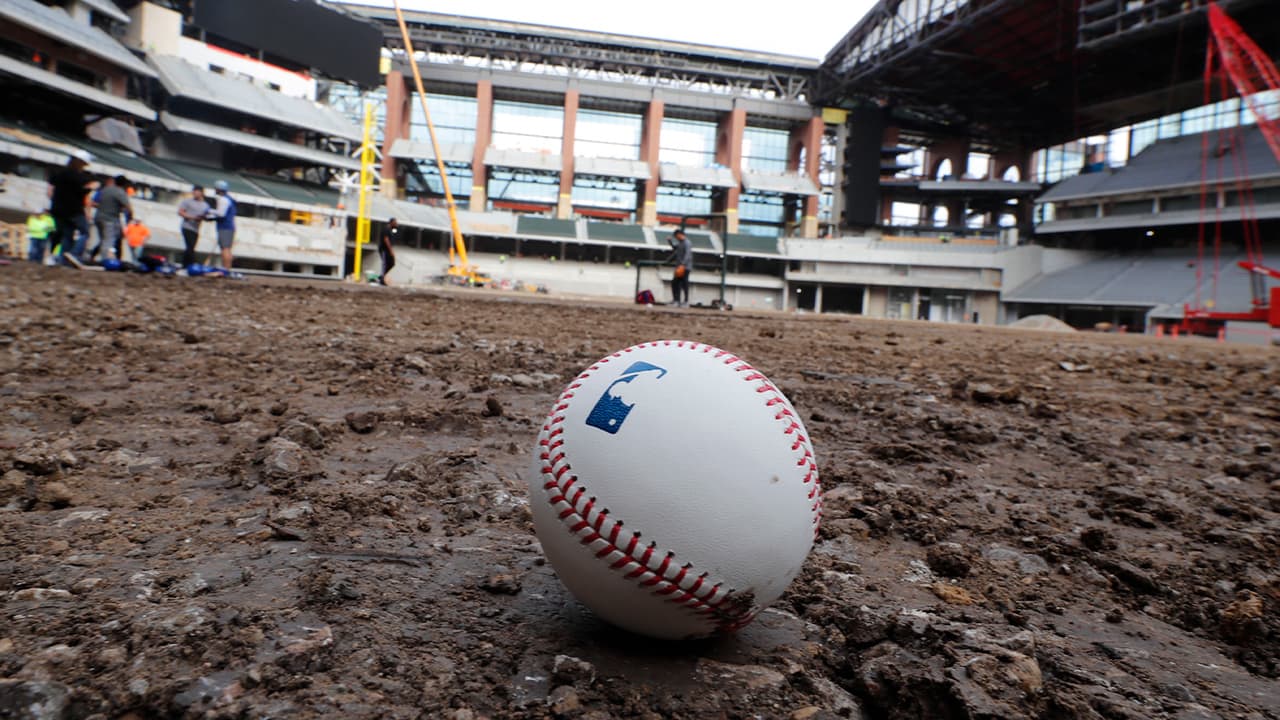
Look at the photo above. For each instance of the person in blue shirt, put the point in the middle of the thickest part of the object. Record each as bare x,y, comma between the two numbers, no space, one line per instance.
224,215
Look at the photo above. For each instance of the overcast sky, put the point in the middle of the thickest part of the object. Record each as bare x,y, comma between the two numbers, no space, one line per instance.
772,27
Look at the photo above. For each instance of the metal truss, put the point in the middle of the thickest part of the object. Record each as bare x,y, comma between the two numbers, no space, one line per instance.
894,28
1107,23
594,56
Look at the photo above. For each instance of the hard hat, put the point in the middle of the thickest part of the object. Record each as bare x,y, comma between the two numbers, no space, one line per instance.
221,185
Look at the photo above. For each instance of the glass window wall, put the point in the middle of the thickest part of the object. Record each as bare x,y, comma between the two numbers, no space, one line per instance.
602,134
527,127
765,150
688,143
454,117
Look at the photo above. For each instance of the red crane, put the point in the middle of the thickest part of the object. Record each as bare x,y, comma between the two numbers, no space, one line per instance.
1232,56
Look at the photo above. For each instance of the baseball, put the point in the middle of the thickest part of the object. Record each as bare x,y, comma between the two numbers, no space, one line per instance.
674,490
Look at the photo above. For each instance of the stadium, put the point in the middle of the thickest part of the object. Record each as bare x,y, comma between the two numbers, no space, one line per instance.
1012,261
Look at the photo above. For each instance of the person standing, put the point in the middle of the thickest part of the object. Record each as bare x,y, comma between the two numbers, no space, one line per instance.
224,213
390,235
39,227
682,254
135,236
68,191
112,200
193,211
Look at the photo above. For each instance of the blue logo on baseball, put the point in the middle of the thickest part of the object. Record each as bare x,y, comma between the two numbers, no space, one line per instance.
612,409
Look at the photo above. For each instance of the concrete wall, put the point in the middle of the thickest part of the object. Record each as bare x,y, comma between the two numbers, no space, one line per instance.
419,267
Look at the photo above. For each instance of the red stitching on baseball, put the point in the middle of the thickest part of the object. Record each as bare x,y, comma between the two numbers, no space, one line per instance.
714,597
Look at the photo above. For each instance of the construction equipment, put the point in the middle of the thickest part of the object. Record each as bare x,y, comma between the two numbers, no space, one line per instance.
363,225
460,270
1232,56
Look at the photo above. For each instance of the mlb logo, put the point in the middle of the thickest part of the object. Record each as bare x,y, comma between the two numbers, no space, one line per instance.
612,409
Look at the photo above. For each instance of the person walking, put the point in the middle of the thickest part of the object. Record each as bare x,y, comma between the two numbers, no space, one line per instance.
111,201
224,213
390,235
68,192
682,254
193,211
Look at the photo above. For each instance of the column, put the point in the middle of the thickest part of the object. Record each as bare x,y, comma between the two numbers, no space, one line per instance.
564,208
957,151
733,126
1020,159
808,138
397,122
484,135
650,151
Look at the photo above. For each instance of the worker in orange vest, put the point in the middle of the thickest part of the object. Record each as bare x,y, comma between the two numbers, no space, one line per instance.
135,236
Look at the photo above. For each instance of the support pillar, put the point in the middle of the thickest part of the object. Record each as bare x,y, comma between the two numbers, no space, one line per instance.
397,120
957,151
733,126
484,135
650,151
564,208
806,140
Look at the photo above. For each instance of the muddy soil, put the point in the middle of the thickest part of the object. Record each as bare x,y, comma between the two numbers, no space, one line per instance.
288,500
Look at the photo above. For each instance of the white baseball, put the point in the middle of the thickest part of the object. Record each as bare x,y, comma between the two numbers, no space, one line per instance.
674,490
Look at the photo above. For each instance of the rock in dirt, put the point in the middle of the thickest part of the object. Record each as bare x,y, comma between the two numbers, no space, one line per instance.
949,560
280,461
362,422
416,362
226,413
564,702
569,670
31,700
1242,619
36,458
501,584
303,434
953,594
54,494
15,486
492,407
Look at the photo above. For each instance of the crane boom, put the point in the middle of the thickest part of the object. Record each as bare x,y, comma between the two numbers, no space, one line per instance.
461,269
1251,74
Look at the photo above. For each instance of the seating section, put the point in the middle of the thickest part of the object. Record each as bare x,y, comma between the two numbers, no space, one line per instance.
1162,277
547,227
617,233
742,243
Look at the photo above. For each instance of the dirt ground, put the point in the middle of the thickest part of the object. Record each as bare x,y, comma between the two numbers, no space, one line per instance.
277,499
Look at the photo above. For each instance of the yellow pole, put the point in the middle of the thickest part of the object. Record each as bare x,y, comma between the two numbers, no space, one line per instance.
366,168
458,243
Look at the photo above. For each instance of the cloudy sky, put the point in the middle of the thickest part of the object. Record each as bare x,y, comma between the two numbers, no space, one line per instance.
750,26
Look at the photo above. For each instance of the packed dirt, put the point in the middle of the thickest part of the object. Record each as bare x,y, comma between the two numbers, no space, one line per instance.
270,499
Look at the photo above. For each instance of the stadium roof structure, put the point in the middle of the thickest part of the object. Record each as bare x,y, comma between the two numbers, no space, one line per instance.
184,80
108,9
1030,73
580,53
53,81
306,154
54,22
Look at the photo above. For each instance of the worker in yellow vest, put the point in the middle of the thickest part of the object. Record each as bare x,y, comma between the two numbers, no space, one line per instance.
39,227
